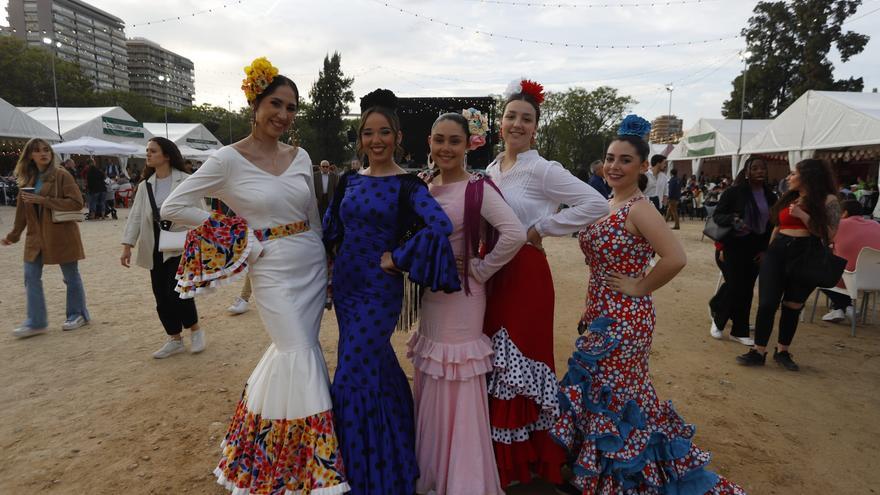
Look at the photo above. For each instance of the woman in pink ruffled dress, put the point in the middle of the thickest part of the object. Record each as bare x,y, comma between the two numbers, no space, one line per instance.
450,352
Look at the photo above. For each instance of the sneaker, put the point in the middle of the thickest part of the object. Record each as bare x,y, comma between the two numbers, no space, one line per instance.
75,323
783,358
752,358
239,306
715,332
25,331
172,347
743,340
834,316
197,344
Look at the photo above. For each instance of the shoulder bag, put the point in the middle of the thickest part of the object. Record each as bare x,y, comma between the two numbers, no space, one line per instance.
168,241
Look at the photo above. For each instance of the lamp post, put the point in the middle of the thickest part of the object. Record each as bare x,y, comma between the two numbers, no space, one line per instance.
670,88
744,56
48,42
165,80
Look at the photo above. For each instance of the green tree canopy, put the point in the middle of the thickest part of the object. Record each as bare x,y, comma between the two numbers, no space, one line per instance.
790,43
26,79
325,134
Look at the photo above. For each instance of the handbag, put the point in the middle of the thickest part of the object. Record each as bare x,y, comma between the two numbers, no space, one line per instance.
714,231
819,266
61,216
168,241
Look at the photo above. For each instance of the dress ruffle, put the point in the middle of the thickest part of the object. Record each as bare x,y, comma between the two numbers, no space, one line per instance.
618,445
429,260
298,456
515,375
460,361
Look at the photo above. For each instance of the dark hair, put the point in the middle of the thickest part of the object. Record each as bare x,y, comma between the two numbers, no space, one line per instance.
852,207
277,82
643,182
743,175
817,180
383,102
673,172
641,146
656,159
526,98
458,119
169,149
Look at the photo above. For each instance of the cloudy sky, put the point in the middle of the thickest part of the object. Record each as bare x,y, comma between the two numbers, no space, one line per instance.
444,47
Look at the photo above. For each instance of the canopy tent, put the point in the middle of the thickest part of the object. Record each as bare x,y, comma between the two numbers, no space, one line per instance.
185,151
87,145
716,138
193,135
822,120
16,124
105,123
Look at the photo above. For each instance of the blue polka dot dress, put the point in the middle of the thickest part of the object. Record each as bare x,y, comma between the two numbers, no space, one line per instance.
372,401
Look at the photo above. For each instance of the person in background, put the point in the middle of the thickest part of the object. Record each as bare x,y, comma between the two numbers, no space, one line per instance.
597,179
656,188
673,198
97,189
854,233
355,165
47,242
325,186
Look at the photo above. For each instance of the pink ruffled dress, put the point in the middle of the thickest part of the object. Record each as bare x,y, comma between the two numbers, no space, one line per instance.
452,355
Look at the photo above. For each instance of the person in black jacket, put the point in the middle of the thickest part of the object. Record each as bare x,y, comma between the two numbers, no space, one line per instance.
746,208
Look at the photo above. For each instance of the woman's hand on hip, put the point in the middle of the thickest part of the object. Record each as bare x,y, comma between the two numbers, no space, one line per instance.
631,286
387,264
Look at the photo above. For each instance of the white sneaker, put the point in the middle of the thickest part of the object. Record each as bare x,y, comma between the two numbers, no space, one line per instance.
239,306
24,332
743,340
75,323
715,332
197,344
836,315
172,347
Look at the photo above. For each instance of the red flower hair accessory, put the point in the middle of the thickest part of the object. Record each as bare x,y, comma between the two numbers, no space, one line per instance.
526,86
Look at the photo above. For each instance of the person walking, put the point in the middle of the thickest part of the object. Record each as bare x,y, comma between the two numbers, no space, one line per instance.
163,174
97,189
45,188
673,198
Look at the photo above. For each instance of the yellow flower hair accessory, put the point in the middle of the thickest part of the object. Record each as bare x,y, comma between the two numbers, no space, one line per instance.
258,76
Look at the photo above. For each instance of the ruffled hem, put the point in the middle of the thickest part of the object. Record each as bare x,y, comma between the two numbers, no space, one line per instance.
429,261
461,361
261,455
617,446
515,375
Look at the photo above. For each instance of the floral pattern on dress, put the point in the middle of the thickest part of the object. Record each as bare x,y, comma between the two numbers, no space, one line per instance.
278,456
622,439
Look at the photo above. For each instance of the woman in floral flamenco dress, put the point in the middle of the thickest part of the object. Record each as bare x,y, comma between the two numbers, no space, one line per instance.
281,440
621,439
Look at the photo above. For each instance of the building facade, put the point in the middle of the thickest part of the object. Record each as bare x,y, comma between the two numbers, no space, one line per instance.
79,33
666,129
163,76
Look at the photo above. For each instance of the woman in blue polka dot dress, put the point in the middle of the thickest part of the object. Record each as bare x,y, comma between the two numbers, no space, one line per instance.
382,222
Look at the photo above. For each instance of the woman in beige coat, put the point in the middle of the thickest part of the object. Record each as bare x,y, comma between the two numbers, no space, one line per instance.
164,172
45,186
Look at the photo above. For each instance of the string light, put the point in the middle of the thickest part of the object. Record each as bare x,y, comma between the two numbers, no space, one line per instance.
561,44
229,3
603,5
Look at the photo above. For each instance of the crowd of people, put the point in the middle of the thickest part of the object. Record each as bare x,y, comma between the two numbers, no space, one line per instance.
485,410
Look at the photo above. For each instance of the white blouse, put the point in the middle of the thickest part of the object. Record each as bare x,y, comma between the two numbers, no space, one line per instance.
535,187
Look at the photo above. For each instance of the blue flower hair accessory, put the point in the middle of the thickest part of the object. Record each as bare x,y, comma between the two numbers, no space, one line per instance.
633,125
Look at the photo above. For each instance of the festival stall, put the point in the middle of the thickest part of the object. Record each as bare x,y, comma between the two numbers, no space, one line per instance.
106,123
195,136
713,146
16,127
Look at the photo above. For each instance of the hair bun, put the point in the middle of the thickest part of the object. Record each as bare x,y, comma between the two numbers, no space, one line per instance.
379,98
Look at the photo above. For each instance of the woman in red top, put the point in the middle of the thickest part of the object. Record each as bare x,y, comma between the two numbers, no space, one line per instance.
807,215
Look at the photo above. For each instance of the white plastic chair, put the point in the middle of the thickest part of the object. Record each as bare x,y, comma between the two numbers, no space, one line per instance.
864,280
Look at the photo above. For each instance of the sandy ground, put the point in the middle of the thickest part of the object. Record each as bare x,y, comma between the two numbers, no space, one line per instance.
90,411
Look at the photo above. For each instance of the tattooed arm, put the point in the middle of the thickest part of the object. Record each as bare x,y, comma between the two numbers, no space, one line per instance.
832,210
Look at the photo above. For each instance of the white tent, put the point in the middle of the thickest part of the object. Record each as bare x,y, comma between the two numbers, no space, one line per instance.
105,123
821,120
193,135
87,145
16,124
711,138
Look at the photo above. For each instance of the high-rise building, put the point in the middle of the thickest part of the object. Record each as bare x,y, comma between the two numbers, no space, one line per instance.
163,76
666,129
79,33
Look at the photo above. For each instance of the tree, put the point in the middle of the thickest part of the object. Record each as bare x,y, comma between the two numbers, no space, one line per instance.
578,123
326,135
790,42
27,77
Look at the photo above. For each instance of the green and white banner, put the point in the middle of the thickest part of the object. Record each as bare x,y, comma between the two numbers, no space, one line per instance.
201,144
119,127
701,144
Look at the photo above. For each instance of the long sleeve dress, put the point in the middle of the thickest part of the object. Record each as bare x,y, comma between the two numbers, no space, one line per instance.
281,438
519,317
452,355
622,439
371,396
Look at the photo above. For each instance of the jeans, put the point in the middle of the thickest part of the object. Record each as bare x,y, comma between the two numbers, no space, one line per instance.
97,203
36,300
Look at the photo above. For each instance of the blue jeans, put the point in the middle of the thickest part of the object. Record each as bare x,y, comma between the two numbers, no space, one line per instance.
36,300
97,203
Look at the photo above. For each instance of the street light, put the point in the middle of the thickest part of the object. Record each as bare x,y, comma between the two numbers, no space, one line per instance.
165,80
744,55
670,88
48,42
